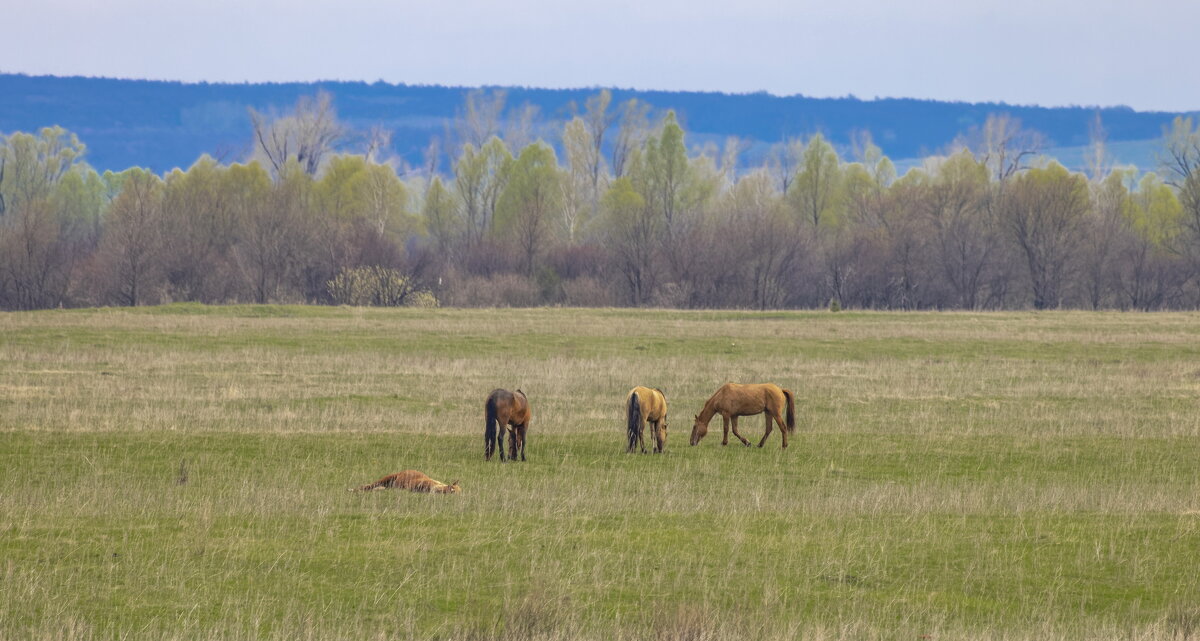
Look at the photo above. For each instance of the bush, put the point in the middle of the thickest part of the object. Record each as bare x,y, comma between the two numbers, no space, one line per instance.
377,287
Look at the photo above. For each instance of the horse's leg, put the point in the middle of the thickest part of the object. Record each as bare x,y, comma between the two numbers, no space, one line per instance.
768,430
501,429
524,433
642,434
514,442
725,427
737,433
782,427
658,436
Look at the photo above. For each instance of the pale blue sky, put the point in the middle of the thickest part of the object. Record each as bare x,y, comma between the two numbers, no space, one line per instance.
1050,52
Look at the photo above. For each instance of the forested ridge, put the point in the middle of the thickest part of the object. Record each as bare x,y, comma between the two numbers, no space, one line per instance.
618,205
161,125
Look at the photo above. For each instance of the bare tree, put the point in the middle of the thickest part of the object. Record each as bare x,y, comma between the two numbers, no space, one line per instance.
377,142
131,248
480,117
597,120
583,143
519,127
635,238
306,136
1096,159
1102,229
274,234
757,223
34,257
432,157
965,241
631,133
783,161
1043,212
1180,162
1002,145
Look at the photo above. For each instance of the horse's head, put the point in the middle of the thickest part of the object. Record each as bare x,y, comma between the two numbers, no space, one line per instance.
453,488
699,429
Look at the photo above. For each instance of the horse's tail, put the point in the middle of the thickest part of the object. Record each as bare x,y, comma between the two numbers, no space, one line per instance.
491,423
791,411
634,414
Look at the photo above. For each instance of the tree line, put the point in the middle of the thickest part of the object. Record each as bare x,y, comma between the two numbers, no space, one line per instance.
614,209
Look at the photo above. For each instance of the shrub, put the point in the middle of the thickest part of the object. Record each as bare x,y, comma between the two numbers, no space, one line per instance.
377,287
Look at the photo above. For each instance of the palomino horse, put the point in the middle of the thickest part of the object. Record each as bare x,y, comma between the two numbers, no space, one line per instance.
646,405
734,400
505,411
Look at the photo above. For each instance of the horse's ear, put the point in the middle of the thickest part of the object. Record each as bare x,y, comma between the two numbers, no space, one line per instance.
697,417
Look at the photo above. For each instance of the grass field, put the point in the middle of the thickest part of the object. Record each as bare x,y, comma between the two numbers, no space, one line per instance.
952,476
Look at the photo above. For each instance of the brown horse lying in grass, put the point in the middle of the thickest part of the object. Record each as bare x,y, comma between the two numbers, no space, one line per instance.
413,481
646,405
505,411
733,400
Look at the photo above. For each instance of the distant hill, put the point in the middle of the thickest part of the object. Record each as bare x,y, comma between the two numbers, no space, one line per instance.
162,125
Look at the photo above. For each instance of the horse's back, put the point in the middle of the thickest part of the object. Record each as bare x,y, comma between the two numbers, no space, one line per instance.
652,401
520,408
748,398
500,397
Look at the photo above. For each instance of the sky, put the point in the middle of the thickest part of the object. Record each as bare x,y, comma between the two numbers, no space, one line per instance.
1045,52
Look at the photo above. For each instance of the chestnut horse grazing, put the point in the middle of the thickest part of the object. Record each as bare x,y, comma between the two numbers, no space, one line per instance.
413,481
733,400
646,405
505,411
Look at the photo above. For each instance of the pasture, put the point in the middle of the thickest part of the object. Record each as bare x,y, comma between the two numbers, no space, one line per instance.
181,472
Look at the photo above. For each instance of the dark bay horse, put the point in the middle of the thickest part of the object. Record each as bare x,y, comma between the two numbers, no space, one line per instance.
733,400
646,405
505,411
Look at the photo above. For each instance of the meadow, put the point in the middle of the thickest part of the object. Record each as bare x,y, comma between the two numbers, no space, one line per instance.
180,472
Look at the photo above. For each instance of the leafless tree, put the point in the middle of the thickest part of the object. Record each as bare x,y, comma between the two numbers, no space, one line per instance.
1002,145
481,116
306,136
131,248
1043,212
632,131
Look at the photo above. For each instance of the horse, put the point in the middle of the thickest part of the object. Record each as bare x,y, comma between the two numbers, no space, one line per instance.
413,481
505,411
646,405
733,400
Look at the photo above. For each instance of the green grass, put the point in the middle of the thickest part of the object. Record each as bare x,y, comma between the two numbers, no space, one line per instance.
1004,476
